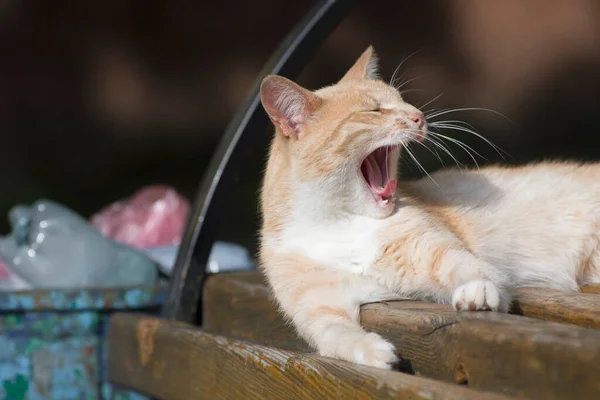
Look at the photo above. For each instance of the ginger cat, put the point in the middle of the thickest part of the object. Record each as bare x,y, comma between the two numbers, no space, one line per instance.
339,230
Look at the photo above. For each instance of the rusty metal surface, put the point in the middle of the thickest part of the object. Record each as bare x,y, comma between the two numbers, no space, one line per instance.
52,343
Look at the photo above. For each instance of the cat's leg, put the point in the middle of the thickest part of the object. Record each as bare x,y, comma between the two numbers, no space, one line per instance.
324,307
434,264
475,284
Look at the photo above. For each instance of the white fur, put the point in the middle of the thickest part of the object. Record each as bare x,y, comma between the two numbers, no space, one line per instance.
476,295
348,244
538,225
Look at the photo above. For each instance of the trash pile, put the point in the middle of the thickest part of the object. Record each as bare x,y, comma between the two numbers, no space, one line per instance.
125,244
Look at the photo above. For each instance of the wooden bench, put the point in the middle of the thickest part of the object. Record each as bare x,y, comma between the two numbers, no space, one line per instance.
220,336
245,350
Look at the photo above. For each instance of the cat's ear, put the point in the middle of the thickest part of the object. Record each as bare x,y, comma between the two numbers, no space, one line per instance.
289,106
364,68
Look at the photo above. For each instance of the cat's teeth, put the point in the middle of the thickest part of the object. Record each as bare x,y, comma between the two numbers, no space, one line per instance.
385,201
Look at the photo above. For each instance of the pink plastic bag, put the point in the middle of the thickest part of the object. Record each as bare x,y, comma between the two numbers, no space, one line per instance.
155,216
11,281
5,273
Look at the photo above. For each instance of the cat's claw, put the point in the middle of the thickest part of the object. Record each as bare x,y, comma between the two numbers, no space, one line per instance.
478,295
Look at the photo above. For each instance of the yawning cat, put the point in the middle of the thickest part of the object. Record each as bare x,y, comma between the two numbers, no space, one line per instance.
339,230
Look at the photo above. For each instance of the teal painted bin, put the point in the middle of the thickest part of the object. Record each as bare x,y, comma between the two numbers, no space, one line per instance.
52,343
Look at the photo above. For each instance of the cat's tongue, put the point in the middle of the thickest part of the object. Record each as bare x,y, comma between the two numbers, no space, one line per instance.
375,170
389,189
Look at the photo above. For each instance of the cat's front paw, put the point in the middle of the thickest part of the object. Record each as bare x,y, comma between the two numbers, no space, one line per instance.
375,351
363,348
478,295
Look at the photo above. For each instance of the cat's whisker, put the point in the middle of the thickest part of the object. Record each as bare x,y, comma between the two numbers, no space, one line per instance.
431,101
432,151
441,146
430,112
437,144
419,165
469,109
476,133
462,145
445,149
394,77
424,137
403,92
441,125
408,81
398,81
458,142
392,80
463,129
456,121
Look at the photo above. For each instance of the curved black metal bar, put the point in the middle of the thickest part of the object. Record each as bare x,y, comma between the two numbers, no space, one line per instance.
246,129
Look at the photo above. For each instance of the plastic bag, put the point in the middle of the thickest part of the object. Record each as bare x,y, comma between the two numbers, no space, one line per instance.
155,216
11,281
53,247
153,220
224,256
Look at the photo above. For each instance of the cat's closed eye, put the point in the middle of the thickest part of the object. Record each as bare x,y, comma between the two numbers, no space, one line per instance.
373,110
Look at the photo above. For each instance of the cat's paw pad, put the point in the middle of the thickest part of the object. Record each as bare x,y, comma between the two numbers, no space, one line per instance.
476,296
373,350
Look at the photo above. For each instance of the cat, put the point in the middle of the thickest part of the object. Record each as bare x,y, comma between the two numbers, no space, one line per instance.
339,230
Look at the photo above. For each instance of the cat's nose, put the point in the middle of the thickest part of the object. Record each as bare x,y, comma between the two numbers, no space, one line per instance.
418,118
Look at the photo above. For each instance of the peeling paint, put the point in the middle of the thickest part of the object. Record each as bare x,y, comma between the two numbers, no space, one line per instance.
53,344
72,299
145,336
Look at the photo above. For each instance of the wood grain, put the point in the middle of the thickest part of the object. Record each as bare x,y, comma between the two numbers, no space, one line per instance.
490,351
180,362
560,306
232,301
591,289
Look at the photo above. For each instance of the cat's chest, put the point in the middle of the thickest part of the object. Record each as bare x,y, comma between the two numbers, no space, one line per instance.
351,245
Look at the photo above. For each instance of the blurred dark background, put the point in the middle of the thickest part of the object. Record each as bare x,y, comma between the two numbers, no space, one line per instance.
98,98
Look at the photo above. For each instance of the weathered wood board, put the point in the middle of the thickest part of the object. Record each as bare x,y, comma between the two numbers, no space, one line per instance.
556,305
174,361
591,289
490,351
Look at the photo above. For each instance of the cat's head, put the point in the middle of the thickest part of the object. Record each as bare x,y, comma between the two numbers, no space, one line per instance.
342,141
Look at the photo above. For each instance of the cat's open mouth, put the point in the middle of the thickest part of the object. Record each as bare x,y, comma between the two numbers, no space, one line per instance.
376,169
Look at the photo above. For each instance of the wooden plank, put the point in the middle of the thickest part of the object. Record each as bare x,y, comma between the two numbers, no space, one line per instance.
246,297
591,289
559,306
489,351
173,361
